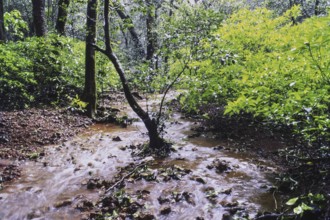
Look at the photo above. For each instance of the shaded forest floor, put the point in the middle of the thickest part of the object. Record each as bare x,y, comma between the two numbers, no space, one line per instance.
23,134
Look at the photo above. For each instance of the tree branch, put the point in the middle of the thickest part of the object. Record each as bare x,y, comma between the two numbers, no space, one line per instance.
97,48
124,177
167,89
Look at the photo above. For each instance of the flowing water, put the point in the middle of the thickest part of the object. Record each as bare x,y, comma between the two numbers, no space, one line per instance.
51,187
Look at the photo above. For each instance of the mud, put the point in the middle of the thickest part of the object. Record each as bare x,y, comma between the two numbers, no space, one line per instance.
57,186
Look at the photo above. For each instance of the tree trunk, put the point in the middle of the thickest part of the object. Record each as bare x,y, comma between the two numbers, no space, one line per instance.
39,19
131,29
90,76
62,16
150,22
155,141
317,8
2,25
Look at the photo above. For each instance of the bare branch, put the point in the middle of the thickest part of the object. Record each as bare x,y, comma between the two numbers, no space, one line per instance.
97,48
167,89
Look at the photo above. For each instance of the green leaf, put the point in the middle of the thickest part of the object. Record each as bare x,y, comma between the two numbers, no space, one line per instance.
306,207
298,210
292,201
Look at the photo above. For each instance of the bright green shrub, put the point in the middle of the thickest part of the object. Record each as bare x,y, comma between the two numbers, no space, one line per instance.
266,66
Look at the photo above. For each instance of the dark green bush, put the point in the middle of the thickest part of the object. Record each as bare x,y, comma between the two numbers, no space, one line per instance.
46,71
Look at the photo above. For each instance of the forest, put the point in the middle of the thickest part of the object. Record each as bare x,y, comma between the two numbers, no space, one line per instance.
165,109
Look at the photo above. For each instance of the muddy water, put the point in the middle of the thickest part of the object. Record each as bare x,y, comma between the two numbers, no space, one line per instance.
51,187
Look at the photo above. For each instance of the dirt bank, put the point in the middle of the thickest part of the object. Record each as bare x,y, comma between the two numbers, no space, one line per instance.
23,134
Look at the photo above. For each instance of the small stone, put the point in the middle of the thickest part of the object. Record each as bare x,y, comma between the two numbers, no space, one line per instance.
146,216
229,204
165,210
219,147
227,191
84,205
63,203
117,138
226,216
123,148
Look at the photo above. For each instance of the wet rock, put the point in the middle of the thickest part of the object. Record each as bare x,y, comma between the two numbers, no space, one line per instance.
123,148
229,204
95,215
163,199
198,179
84,205
117,138
165,210
132,147
63,203
134,207
219,166
211,194
226,216
189,198
33,214
143,194
227,191
219,147
146,216
94,183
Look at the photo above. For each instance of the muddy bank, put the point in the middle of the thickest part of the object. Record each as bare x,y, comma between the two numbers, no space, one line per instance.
26,132
23,135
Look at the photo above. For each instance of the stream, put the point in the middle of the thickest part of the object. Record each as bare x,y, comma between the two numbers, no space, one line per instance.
53,186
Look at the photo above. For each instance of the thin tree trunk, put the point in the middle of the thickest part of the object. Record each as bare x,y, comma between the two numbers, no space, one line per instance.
317,8
90,76
2,25
150,22
155,141
39,19
62,15
131,29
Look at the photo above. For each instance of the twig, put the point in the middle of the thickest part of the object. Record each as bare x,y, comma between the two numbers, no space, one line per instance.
275,200
167,89
124,177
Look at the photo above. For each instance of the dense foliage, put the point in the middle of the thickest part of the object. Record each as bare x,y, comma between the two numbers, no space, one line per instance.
265,65
43,71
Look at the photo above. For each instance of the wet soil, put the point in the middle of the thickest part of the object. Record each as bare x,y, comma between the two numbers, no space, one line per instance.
23,135
95,175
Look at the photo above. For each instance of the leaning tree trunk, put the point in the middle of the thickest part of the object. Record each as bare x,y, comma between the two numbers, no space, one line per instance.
126,18
62,15
39,19
2,24
90,78
155,141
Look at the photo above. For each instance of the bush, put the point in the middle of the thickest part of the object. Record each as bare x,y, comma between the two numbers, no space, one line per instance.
44,71
269,67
